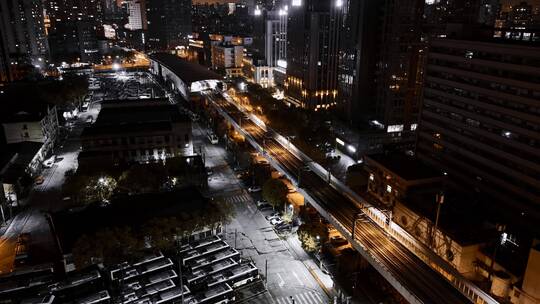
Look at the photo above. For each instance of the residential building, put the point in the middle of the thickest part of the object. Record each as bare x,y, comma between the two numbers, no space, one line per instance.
480,123
518,22
23,34
313,33
399,72
38,123
169,24
18,163
66,11
140,131
136,15
359,46
75,41
5,63
257,71
270,38
228,57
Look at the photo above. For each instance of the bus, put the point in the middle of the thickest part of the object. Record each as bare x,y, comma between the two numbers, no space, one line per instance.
219,294
212,138
236,276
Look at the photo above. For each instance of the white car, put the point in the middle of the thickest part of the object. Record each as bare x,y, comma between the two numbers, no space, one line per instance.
49,162
276,221
254,189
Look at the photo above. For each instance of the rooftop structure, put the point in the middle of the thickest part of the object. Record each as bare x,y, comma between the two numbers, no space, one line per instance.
183,76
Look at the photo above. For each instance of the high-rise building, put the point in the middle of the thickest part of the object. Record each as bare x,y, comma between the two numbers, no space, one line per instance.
65,11
313,32
359,47
270,35
5,71
399,69
480,121
169,23
23,32
136,15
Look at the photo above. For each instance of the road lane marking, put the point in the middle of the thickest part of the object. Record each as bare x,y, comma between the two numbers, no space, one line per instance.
282,283
298,279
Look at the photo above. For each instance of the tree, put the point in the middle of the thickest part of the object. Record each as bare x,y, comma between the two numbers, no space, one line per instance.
142,178
312,235
110,246
84,189
275,192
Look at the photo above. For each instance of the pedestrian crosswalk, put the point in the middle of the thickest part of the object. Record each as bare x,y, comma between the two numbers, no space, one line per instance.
239,198
309,297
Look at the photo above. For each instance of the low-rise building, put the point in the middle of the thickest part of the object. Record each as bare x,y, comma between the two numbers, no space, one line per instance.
137,131
36,124
411,192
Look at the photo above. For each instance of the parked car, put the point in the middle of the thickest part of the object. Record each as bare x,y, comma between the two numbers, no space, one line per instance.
254,189
273,215
276,221
283,226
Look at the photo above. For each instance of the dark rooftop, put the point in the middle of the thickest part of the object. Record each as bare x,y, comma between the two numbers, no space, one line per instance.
406,167
135,116
187,71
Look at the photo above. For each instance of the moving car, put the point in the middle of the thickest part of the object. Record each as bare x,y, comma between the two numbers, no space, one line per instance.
254,189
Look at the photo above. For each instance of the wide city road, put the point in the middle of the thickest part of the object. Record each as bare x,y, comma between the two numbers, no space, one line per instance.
417,277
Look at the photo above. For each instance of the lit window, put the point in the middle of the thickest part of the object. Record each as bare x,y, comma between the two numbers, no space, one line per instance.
371,176
388,188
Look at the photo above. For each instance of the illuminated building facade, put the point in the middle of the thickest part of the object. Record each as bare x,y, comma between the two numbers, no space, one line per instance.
313,32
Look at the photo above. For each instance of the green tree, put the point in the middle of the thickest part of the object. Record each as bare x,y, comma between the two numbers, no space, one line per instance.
84,189
142,178
312,236
275,192
110,246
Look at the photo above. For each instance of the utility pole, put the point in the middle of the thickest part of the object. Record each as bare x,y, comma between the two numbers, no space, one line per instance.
180,271
235,234
354,225
266,271
439,199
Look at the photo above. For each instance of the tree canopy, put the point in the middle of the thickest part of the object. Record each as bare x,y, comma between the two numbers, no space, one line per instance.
275,192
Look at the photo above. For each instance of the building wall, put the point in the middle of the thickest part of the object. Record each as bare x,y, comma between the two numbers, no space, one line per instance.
313,33
480,122
227,56
23,31
530,291
44,131
141,146
136,15
169,23
462,257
